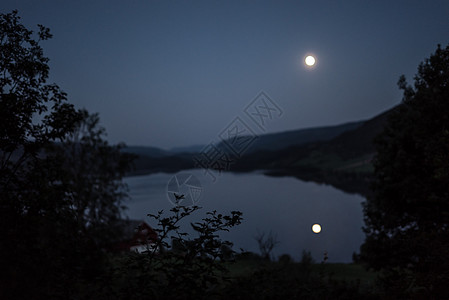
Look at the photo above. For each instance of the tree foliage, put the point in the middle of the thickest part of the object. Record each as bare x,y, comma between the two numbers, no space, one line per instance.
407,218
60,181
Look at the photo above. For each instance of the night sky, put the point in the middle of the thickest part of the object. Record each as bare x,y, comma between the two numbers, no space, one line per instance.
175,73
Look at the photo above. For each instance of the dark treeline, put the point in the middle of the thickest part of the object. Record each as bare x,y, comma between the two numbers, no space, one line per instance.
60,181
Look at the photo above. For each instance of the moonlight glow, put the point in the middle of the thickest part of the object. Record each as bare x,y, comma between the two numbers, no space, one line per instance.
310,60
316,228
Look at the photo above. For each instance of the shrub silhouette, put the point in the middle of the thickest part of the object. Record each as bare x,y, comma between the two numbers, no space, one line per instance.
189,268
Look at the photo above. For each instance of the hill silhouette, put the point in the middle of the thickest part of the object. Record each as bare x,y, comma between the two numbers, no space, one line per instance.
282,140
339,155
153,159
344,161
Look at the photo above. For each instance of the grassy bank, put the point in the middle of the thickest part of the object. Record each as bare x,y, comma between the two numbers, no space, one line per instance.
259,279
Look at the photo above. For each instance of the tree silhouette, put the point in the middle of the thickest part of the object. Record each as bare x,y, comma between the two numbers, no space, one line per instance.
407,218
266,244
60,181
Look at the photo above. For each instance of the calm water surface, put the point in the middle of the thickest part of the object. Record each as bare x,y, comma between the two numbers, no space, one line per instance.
284,206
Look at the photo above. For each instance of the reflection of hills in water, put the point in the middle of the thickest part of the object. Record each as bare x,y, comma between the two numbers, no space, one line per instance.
338,155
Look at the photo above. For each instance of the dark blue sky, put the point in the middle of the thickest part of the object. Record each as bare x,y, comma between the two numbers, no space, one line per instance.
175,73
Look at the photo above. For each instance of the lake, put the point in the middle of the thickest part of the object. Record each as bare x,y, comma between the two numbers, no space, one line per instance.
284,206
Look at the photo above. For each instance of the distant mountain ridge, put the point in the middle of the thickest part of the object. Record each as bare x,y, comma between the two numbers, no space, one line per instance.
146,151
344,162
187,149
334,154
285,139
339,155
270,141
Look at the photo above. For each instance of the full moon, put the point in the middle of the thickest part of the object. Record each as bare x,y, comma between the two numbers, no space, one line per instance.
316,228
310,60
